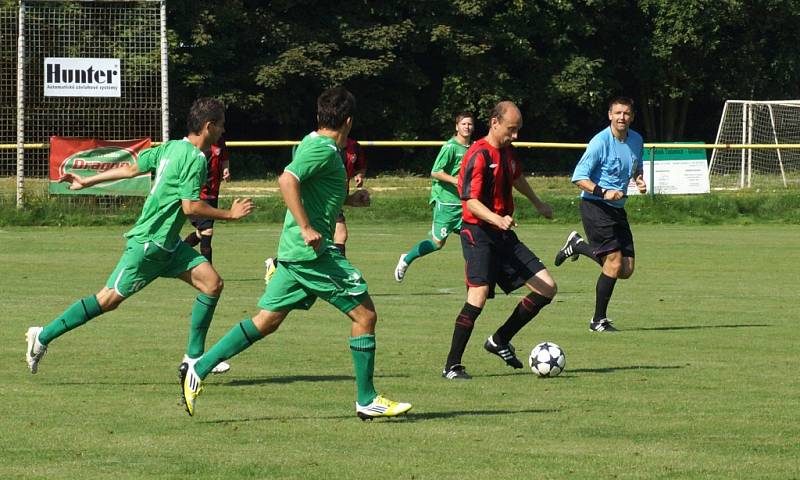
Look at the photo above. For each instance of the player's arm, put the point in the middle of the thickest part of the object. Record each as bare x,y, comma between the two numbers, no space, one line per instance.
638,176
290,189
443,177
587,185
239,208
590,162
523,187
477,208
77,182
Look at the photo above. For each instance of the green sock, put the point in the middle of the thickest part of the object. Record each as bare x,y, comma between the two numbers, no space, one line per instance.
363,350
238,338
202,312
420,250
76,315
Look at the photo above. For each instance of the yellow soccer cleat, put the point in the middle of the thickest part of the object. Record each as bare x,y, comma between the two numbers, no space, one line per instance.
191,386
381,407
270,265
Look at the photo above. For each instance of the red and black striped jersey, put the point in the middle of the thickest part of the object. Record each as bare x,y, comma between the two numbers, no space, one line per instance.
487,174
216,157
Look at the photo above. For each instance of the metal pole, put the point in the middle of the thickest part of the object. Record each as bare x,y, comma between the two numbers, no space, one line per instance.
164,74
652,179
21,107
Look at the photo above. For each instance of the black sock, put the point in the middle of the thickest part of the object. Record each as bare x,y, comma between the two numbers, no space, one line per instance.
465,321
191,239
340,247
585,249
603,291
526,309
205,247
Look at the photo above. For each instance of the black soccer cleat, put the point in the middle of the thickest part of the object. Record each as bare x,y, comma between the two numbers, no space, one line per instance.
506,352
602,325
456,372
568,250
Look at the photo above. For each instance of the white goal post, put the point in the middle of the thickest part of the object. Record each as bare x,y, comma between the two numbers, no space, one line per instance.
775,127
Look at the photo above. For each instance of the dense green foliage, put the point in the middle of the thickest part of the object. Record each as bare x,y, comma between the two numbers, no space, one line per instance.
413,65
697,385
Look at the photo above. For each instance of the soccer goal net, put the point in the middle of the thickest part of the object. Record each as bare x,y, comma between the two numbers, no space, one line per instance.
773,127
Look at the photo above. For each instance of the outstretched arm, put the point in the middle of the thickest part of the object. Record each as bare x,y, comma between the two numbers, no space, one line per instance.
523,187
77,182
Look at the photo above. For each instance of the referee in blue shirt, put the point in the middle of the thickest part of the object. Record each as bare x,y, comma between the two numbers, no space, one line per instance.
613,157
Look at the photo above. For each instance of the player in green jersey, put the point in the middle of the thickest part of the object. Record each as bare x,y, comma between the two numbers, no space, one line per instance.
313,186
154,248
445,201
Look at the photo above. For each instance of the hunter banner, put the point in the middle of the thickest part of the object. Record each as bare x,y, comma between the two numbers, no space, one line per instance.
87,157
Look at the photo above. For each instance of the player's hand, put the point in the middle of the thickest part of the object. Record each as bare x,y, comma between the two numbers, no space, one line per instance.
226,174
76,182
641,185
613,195
505,223
241,208
311,237
545,210
359,198
359,179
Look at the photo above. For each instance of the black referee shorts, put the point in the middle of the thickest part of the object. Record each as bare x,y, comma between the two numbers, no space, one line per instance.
607,228
496,257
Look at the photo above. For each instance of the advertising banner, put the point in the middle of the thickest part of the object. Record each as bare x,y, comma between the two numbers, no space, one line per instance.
87,157
82,77
677,171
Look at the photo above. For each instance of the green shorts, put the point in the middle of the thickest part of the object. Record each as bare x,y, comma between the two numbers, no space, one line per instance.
446,220
331,277
141,263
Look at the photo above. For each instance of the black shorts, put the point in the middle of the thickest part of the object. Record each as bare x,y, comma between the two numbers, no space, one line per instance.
496,257
607,228
203,223
340,218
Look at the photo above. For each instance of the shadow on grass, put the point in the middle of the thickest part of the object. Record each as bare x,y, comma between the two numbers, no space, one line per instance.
620,369
698,327
408,418
296,378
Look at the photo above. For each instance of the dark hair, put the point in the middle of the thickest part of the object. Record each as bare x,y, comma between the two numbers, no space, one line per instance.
334,106
463,115
500,109
621,100
204,110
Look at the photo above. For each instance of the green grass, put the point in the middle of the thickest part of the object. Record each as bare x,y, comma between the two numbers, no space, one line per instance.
405,198
701,382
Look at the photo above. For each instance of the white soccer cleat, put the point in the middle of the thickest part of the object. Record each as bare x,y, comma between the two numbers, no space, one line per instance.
400,269
381,407
35,350
221,367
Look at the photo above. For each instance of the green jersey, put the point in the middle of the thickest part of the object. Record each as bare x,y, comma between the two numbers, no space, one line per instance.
318,167
180,171
449,162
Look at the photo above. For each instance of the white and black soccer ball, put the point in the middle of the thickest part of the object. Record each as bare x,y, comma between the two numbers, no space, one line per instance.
547,360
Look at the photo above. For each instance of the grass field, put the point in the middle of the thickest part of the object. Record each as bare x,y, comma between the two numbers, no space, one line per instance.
701,383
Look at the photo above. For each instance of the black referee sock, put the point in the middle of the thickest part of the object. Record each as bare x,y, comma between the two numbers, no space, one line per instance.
603,291
461,333
526,309
341,248
585,249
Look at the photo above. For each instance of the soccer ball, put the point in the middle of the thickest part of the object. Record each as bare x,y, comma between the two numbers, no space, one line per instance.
547,360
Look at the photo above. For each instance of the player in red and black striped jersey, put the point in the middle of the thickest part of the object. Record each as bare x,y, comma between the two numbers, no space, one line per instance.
218,170
355,164
493,253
